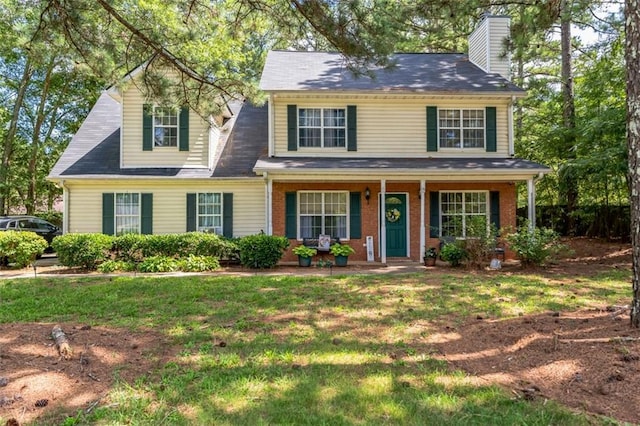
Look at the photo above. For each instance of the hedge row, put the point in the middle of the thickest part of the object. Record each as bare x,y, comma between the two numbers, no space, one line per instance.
91,250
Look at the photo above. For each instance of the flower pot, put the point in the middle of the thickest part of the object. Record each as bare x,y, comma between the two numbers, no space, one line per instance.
341,260
304,261
429,261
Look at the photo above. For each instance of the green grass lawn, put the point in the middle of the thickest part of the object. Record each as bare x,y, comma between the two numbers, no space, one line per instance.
307,350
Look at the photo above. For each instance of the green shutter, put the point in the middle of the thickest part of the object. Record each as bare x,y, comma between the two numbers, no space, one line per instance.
490,116
147,127
146,213
292,127
191,213
352,128
108,213
184,129
494,208
227,215
355,216
434,214
290,216
432,128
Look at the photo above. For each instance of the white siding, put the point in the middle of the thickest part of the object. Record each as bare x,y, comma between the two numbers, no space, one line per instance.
486,45
169,203
132,154
391,127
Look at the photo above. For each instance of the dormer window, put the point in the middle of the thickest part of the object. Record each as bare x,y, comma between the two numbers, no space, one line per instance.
322,127
461,128
165,127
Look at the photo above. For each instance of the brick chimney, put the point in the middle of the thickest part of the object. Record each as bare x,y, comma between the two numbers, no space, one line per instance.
487,47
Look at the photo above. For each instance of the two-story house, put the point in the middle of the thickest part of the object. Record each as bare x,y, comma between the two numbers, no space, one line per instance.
419,152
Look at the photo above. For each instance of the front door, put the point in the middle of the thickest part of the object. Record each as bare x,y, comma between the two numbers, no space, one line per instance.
395,217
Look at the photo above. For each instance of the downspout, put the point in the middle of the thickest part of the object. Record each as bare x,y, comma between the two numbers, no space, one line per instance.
512,150
65,207
423,236
271,112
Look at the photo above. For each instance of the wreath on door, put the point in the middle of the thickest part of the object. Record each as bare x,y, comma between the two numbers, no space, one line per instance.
392,215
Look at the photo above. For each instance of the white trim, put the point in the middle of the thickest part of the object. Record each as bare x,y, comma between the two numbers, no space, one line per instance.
383,226
268,204
463,214
423,236
347,214
272,126
510,141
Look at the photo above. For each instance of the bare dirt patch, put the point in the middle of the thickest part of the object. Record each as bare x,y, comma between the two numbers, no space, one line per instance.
588,360
36,382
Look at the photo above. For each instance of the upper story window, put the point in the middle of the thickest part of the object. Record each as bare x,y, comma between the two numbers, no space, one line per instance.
461,128
165,127
322,127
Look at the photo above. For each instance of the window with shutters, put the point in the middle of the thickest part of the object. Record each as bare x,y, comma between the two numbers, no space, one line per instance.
165,127
322,127
127,213
461,128
210,212
464,213
323,213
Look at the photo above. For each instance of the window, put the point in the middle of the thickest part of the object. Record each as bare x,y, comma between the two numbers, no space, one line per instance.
322,127
323,213
127,213
464,214
165,127
461,128
210,212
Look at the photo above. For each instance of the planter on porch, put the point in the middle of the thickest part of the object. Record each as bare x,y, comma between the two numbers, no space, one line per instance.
304,261
341,260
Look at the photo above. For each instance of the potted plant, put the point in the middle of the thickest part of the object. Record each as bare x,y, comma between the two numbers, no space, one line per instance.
341,253
304,254
430,256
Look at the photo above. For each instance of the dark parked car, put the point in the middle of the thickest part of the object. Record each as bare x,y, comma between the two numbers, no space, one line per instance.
46,230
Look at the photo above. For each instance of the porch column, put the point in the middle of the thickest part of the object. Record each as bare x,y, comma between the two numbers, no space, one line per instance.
383,227
423,237
531,208
268,205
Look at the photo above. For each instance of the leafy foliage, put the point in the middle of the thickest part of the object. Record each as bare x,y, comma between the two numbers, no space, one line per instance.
82,250
304,251
535,246
193,263
158,264
133,247
20,247
454,253
341,250
261,251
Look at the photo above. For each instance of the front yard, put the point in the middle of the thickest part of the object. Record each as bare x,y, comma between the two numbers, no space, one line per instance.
444,347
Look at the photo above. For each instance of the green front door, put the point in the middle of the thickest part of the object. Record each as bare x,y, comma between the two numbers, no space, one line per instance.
395,217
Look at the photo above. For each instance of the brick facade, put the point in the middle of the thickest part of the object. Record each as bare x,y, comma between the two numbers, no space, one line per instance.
369,210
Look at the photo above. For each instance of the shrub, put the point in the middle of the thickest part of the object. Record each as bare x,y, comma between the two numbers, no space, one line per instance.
341,250
454,253
109,266
82,250
21,248
535,247
480,245
261,251
304,251
134,247
194,263
158,264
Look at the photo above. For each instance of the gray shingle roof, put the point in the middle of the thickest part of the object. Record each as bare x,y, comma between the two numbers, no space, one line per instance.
413,72
94,151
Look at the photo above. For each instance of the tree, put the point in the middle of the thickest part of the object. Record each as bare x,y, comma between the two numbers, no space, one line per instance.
632,52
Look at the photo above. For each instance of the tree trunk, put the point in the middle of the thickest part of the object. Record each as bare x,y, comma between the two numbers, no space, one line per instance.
7,153
632,51
568,181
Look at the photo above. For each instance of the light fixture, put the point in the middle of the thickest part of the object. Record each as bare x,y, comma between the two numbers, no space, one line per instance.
367,194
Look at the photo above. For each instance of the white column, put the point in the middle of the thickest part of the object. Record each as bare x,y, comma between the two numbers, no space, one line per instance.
271,113
268,205
531,208
383,227
423,237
